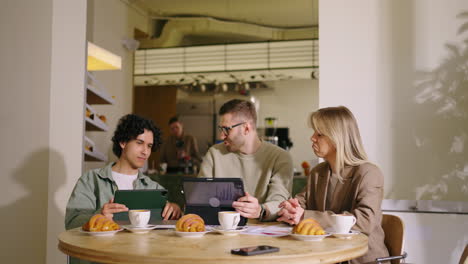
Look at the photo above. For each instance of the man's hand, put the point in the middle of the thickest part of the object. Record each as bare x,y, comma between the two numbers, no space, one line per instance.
291,212
247,206
110,208
171,211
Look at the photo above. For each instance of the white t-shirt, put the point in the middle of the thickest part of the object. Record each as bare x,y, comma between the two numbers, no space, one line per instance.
124,181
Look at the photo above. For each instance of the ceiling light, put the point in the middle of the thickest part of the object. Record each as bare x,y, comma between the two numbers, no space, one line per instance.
100,59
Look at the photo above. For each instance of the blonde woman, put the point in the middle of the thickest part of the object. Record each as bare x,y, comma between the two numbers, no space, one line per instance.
346,183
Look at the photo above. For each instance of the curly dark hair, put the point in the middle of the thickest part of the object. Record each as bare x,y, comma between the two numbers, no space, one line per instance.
129,127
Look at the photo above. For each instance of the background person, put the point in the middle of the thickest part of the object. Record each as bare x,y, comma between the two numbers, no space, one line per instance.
180,150
346,183
265,169
133,141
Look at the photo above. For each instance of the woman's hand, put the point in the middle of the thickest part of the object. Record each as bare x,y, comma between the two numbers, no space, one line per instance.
110,208
291,212
171,211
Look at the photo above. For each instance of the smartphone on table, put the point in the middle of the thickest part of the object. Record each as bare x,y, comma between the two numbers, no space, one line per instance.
255,250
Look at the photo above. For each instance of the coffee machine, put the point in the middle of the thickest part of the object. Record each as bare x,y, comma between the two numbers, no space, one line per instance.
278,136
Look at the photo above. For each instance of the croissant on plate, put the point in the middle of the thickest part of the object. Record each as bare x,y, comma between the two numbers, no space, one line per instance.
308,226
190,223
100,223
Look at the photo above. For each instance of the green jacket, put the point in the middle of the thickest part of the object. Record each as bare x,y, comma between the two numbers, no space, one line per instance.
94,189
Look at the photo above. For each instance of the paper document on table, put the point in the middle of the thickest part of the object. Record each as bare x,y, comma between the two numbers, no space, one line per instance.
275,231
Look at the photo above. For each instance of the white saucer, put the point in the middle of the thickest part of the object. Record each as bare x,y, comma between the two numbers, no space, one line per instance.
139,230
230,232
193,234
346,235
103,233
310,237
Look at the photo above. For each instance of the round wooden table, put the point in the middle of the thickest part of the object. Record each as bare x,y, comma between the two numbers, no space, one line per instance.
163,246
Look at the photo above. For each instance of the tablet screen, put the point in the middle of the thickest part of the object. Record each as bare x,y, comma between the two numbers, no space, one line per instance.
153,200
141,199
213,193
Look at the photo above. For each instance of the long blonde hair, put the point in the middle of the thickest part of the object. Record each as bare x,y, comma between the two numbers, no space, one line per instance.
340,126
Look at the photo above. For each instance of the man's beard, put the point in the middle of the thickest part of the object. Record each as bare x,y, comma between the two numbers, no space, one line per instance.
234,145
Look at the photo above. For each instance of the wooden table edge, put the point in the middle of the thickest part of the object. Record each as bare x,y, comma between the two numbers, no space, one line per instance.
93,255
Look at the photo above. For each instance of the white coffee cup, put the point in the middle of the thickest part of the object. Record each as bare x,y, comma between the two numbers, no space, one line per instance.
343,223
228,219
139,218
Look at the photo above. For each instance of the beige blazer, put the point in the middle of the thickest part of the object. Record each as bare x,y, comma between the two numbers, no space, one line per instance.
360,195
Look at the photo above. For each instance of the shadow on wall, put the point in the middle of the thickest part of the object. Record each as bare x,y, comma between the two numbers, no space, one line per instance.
24,222
442,102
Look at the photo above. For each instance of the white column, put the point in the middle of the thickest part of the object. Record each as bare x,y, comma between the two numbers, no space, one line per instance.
66,114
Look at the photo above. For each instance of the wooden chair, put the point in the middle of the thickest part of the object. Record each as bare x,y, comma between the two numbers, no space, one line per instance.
464,256
394,230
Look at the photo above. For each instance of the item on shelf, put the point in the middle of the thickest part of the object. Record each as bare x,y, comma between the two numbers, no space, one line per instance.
89,114
89,148
306,167
103,118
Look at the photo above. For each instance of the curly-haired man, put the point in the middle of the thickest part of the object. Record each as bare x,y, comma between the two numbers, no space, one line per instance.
133,141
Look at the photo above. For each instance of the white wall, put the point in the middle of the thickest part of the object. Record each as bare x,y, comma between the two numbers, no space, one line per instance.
373,55
41,90
67,92
424,86
392,67
24,114
110,22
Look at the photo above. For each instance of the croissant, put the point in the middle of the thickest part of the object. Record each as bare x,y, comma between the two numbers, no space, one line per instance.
190,223
100,223
308,226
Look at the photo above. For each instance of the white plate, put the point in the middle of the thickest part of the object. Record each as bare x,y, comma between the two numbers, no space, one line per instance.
230,232
193,234
139,230
346,235
104,233
310,237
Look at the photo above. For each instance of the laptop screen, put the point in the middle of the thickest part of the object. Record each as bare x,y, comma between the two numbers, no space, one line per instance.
215,192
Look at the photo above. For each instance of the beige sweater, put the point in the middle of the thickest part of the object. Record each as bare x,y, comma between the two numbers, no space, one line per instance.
267,174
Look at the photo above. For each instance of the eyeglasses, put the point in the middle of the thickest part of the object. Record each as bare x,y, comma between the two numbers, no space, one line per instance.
225,130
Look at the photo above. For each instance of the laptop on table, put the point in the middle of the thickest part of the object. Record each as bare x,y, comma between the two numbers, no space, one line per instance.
208,196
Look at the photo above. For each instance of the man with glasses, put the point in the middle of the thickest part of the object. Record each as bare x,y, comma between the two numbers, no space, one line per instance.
266,169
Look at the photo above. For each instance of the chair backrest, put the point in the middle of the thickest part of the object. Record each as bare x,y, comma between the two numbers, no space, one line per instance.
394,230
464,256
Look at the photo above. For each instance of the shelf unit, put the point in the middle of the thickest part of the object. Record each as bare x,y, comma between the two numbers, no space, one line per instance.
97,59
94,96
91,153
95,125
